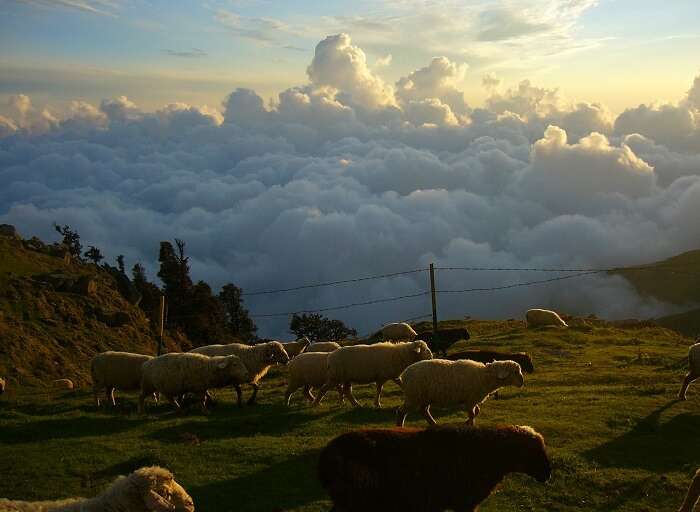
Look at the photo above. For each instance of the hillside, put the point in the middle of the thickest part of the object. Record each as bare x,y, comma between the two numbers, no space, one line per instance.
55,314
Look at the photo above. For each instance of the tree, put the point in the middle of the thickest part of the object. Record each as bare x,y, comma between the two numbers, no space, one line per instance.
71,239
120,264
206,319
175,274
319,328
237,318
150,293
94,255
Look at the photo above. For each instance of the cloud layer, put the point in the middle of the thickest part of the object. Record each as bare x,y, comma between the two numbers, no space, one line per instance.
348,175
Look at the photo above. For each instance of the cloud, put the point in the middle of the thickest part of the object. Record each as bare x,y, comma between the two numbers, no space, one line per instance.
344,176
260,30
101,7
194,53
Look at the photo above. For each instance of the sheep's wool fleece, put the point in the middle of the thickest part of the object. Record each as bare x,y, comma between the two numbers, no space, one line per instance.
309,369
442,382
118,369
175,374
542,317
257,358
363,364
322,346
398,331
694,358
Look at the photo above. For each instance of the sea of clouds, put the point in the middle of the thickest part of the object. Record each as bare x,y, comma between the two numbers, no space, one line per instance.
348,176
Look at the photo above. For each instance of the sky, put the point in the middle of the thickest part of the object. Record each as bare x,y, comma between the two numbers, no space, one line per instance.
300,142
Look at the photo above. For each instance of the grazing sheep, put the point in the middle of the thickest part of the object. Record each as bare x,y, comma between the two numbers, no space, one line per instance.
151,489
2,385
444,338
489,356
116,370
294,348
451,467
693,369
257,358
174,375
308,370
691,499
63,384
323,346
543,317
443,382
363,364
397,332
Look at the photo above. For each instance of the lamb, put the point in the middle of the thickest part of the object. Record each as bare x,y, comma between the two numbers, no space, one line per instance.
116,370
451,467
175,374
363,364
323,346
489,356
693,369
444,338
257,358
543,317
2,385
691,498
396,332
149,489
308,370
294,348
443,382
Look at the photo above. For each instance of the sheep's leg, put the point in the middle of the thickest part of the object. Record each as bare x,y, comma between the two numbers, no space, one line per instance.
156,397
495,395
288,394
111,396
142,400
428,417
401,414
95,394
307,393
239,394
692,496
321,393
398,382
377,399
251,400
341,395
689,378
347,390
473,413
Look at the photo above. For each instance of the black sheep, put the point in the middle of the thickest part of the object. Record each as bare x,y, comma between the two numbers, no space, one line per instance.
444,338
427,470
489,356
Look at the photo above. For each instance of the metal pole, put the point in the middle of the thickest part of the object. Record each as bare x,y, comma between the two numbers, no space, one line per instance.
432,296
162,322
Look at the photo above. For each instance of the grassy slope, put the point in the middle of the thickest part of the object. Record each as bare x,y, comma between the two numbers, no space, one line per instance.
603,398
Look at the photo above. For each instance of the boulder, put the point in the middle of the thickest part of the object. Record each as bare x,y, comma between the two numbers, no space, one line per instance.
9,231
85,285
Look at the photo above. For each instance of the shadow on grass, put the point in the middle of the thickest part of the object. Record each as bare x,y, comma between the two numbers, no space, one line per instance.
281,486
653,445
64,428
363,415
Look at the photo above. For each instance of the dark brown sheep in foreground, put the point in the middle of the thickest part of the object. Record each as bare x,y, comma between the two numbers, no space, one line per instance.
427,470
691,499
489,356
444,338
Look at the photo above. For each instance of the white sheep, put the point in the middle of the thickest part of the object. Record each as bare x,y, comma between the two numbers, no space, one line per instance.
364,364
322,346
66,384
443,382
257,358
308,370
693,369
116,370
174,375
150,489
543,317
400,331
294,348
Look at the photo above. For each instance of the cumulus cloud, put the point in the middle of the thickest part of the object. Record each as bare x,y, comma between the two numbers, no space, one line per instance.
343,177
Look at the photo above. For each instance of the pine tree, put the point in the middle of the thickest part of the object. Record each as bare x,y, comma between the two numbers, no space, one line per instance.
238,320
71,239
150,293
175,274
120,264
94,254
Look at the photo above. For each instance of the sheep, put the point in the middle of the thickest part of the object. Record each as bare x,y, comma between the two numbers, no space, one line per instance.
116,370
543,317
66,384
323,346
489,356
2,385
294,348
444,338
363,364
453,467
397,332
691,498
176,374
149,489
443,382
308,370
257,358
693,369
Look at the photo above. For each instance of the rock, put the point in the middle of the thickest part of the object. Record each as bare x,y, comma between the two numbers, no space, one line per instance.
118,319
9,231
85,285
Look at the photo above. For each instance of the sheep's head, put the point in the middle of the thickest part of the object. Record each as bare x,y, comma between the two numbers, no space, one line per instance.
159,490
508,373
305,340
275,353
531,453
420,350
525,362
234,368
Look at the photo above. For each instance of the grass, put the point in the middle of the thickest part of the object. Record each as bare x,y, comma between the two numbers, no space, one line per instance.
604,398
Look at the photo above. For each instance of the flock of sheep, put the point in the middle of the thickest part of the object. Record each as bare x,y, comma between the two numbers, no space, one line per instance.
357,468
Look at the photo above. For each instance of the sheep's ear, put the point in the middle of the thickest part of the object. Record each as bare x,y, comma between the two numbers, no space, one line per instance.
502,372
417,349
157,503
